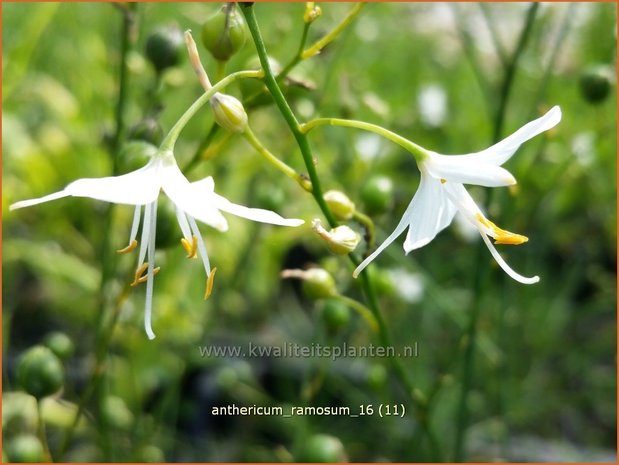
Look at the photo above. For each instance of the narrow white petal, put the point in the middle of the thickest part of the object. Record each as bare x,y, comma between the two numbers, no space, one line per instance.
431,211
254,214
194,199
151,271
399,229
503,264
467,171
462,200
502,151
47,198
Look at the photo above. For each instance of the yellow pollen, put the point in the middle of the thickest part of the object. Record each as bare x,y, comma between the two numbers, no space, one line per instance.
140,277
501,236
190,247
209,283
129,248
443,180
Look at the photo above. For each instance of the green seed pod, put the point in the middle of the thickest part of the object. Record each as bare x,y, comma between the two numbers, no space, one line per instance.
165,47
223,34
340,240
148,130
377,194
60,344
377,376
115,413
318,284
596,82
342,207
322,448
40,372
335,315
25,448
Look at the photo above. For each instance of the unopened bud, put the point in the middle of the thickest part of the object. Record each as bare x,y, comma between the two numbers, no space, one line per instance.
312,12
223,34
339,203
317,282
229,112
340,240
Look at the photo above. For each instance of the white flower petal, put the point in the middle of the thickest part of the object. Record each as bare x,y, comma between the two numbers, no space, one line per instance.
254,214
503,264
431,212
194,199
139,187
399,229
459,170
463,201
502,151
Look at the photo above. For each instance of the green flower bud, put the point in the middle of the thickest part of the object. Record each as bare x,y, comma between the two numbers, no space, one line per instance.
60,344
377,194
229,112
377,376
322,448
342,207
341,240
335,315
165,47
223,34
25,449
596,82
40,372
317,283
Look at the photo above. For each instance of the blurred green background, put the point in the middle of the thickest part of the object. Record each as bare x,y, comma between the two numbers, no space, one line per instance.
544,384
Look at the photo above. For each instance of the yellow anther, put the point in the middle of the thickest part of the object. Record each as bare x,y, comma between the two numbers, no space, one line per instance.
209,283
129,248
140,277
501,236
443,180
190,247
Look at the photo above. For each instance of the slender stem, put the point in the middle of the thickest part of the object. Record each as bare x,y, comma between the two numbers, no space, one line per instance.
368,225
361,309
480,275
276,162
170,139
297,58
317,46
282,104
417,151
496,39
510,72
300,136
47,456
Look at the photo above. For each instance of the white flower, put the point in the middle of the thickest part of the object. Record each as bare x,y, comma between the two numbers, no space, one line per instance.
441,194
193,201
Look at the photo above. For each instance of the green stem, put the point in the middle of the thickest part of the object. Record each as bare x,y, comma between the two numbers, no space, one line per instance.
170,139
479,279
368,225
331,35
417,151
47,456
365,312
271,83
510,72
300,136
276,162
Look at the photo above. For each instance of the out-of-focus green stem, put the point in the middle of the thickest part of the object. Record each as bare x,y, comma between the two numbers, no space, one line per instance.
317,46
365,312
479,278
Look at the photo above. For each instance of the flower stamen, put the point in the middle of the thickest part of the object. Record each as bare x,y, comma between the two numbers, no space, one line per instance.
130,248
140,277
190,247
501,236
210,279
